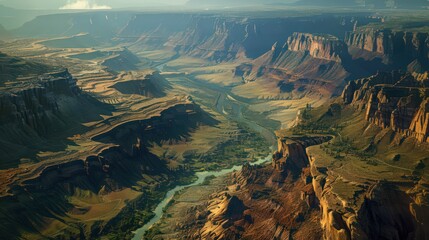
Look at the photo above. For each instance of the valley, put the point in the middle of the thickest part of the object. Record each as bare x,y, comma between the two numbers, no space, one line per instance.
157,125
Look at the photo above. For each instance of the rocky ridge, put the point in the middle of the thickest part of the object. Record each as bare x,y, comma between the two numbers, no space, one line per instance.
392,100
394,48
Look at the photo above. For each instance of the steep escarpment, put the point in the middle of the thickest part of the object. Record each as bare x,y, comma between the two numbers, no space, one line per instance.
291,155
372,175
13,67
263,202
34,109
152,85
394,49
97,24
357,206
306,62
227,38
85,197
392,100
123,60
211,36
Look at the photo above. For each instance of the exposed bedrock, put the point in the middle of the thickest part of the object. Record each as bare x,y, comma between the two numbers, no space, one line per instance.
380,210
392,100
221,38
33,104
47,106
263,202
152,86
215,37
396,48
124,165
291,155
318,46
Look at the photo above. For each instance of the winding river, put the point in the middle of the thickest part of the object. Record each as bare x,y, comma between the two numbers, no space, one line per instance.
224,96
159,211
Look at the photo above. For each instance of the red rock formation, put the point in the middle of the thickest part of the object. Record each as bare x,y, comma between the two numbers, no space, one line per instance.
318,46
391,101
397,48
419,126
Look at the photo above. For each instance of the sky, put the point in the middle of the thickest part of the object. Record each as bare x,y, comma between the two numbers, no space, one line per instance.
86,4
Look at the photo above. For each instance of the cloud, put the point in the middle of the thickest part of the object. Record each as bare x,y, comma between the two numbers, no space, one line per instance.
83,4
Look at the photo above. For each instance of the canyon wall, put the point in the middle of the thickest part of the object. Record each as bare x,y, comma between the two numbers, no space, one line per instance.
395,48
349,207
392,100
367,210
212,36
307,63
318,46
47,192
32,104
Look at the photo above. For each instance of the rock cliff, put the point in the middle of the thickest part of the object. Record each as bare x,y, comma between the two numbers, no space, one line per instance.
31,105
318,46
33,110
365,209
391,100
398,49
123,163
291,155
307,62
262,201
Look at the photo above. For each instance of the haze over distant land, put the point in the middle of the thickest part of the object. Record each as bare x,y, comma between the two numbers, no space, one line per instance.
122,4
86,4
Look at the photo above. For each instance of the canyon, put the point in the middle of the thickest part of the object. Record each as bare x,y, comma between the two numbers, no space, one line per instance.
108,116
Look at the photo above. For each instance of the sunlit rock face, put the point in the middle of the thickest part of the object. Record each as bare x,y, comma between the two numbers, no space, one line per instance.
391,100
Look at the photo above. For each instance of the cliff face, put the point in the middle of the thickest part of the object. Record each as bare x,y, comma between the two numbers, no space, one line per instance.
323,47
33,105
291,156
307,63
393,101
377,211
223,39
215,37
33,111
261,202
399,49
124,163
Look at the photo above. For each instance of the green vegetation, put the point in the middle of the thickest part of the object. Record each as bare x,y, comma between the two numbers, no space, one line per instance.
140,211
313,121
207,180
247,146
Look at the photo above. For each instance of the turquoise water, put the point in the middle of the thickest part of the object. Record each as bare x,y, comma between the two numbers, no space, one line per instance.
139,233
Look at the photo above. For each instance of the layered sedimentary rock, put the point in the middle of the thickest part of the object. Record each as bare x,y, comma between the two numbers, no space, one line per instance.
215,37
391,100
33,104
420,122
366,209
151,85
395,48
263,202
306,62
124,162
318,46
36,109
222,39
291,155
13,67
